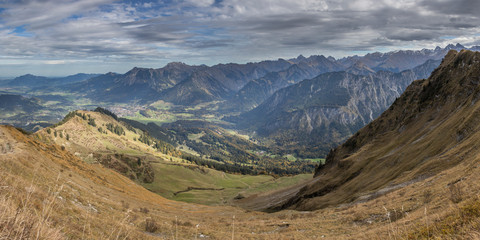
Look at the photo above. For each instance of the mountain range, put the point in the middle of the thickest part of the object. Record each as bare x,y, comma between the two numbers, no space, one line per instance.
412,173
270,100
431,128
243,86
321,112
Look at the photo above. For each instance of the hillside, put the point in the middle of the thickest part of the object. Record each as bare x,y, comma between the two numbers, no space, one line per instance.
98,137
49,193
316,114
429,134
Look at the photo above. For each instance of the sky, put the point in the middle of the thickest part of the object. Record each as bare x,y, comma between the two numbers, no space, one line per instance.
62,37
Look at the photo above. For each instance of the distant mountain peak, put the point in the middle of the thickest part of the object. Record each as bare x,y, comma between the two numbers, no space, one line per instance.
360,68
175,65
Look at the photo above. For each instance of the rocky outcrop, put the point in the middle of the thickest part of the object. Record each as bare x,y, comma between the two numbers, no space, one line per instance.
325,110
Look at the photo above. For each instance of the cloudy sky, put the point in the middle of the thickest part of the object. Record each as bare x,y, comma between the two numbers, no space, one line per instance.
60,37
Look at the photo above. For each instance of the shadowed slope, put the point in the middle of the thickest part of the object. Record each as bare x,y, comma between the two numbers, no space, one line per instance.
433,126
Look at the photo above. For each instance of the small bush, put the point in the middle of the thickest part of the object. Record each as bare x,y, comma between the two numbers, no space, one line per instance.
125,205
456,193
144,210
239,196
151,225
427,196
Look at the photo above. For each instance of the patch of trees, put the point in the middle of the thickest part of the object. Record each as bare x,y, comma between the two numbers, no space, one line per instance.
161,146
67,117
106,112
115,129
275,167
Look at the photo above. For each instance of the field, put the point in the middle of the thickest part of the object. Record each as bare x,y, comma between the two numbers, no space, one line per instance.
212,187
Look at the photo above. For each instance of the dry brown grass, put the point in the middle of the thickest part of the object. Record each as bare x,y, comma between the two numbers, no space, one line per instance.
25,222
68,199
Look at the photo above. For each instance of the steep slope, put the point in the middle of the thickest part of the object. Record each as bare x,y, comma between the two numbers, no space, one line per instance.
258,90
432,127
314,115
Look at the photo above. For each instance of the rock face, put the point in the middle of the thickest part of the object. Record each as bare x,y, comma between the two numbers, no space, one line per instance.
325,110
158,79
220,81
432,126
258,90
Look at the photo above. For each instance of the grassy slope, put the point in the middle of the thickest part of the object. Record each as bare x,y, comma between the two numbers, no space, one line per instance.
172,175
52,194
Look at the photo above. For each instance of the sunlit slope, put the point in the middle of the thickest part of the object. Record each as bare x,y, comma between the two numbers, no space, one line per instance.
49,193
160,170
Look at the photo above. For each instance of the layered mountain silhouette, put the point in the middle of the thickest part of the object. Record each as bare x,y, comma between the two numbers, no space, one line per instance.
258,90
321,112
242,86
32,81
176,82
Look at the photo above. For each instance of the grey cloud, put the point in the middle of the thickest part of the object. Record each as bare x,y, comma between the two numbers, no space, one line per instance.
453,6
281,22
231,30
411,35
162,29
